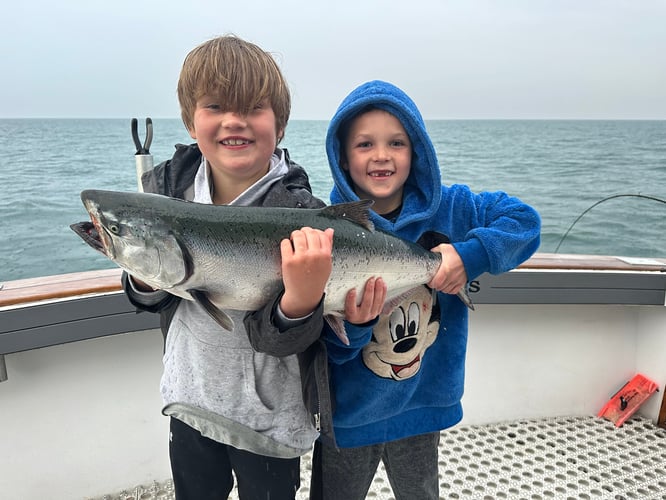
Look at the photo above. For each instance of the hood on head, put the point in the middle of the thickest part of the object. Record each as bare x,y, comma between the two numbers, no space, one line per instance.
423,189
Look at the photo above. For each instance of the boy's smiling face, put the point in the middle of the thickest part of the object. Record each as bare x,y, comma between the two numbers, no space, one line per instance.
378,157
237,147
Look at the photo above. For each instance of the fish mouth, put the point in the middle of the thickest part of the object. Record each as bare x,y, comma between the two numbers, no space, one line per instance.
88,233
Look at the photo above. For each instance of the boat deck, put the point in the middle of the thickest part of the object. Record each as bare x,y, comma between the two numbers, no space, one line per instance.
536,459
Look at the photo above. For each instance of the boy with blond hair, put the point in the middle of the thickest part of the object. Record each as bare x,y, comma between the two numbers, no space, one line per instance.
232,408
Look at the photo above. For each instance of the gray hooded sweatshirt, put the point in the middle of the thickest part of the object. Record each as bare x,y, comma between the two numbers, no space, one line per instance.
214,380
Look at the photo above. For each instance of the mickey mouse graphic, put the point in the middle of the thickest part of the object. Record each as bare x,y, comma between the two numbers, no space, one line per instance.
401,337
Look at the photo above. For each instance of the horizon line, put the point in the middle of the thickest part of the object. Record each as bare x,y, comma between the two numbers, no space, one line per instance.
328,119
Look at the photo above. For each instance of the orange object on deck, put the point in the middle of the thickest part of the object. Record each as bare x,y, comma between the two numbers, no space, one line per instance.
626,401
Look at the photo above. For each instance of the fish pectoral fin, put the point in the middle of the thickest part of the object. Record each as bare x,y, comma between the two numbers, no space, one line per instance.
216,313
337,324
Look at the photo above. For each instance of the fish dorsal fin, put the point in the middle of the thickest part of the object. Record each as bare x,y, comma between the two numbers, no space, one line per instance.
357,212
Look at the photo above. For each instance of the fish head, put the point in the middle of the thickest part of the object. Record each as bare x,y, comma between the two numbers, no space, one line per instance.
129,230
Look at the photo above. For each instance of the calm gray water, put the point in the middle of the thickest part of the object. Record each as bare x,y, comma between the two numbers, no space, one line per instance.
560,167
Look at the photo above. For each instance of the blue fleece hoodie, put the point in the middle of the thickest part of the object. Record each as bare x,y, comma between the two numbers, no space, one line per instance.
492,232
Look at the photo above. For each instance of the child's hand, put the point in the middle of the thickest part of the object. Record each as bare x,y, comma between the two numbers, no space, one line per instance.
451,275
372,302
306,266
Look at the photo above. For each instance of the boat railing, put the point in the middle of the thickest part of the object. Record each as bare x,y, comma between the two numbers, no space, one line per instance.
51,310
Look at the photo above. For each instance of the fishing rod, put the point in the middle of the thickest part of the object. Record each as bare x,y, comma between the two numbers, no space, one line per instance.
625,195
142,157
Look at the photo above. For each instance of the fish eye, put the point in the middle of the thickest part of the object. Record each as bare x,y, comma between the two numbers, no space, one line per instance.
114,228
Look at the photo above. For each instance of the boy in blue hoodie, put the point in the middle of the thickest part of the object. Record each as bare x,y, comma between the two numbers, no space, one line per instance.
399,382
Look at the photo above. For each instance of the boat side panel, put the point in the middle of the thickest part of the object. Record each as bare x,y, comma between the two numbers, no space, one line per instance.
570,287
82,419
42,324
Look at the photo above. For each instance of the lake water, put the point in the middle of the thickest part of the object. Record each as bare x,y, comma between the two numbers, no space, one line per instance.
562,168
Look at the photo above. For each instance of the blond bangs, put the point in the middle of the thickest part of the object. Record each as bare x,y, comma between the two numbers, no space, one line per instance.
238,74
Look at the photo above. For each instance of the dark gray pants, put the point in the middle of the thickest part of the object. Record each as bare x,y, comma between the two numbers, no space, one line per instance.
346,474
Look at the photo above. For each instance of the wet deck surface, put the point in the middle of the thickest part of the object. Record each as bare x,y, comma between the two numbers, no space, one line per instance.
554,458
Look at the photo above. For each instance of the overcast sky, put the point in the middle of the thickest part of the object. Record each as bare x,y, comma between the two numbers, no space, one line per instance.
596,59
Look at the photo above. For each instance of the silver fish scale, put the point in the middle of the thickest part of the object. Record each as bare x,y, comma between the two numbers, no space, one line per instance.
233,253
353,264
238,258
237,264
562,458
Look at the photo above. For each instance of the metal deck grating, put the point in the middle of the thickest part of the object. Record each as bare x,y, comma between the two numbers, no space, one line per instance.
562,458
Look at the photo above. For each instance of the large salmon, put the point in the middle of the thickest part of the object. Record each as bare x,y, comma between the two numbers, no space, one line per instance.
228,257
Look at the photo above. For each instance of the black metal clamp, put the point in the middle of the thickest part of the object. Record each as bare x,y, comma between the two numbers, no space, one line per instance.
145,148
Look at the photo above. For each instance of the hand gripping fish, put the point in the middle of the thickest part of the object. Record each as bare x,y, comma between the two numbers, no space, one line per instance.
227,257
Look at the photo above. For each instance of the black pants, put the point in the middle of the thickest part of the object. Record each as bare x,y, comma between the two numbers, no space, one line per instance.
202,469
